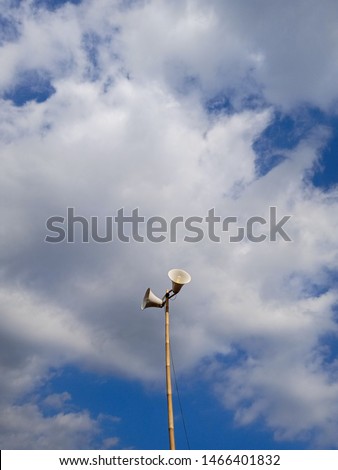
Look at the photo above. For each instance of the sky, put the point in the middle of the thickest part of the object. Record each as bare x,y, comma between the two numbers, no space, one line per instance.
173,108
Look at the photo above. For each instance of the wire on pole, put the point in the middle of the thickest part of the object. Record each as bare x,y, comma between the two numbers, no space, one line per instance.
179,402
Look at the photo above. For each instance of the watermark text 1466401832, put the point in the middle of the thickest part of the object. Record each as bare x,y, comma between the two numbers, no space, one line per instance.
157,229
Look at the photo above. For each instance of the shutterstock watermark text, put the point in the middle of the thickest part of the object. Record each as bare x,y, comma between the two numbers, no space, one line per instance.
156,229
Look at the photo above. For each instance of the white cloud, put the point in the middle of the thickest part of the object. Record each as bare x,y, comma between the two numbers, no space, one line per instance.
288,389
24,427
130,139
111,442
57,400
243,47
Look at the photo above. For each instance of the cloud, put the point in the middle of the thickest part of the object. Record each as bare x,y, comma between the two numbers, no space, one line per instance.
24,427
290,389
136,133
57,400
238,48
111,442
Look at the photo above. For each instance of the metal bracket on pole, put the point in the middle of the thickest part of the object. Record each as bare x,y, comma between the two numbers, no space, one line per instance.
168,295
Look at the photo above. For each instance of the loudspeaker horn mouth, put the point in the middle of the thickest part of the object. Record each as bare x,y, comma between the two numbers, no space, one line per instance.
151,300
179,278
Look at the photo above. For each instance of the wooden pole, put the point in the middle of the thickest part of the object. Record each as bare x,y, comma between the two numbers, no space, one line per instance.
168,378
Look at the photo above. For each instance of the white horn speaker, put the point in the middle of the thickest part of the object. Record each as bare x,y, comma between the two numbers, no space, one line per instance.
151,300
178,278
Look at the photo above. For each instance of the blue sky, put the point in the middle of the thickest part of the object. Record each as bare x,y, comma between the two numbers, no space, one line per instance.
173,108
